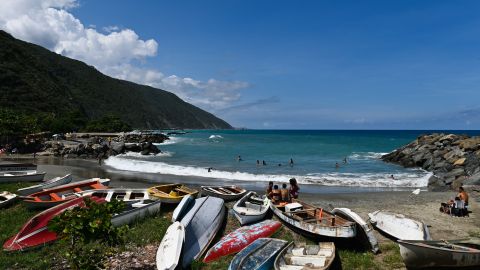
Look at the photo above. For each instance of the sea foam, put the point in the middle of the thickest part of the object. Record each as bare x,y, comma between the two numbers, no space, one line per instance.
411,178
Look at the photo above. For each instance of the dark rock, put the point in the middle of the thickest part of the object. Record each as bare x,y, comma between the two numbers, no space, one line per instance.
117,147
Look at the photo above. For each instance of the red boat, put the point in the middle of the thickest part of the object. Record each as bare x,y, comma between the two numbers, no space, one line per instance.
35,232
240,238
58,195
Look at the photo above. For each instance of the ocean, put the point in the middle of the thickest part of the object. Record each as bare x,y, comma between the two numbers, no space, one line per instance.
314,153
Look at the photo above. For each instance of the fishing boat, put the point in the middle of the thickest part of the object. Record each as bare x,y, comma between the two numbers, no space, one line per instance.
169,250
171,193
55,182
6,166
259,255
121,194
7,198
35,232
182,207
445,253
21,176
203,220
136,210
308,257
398,226
312,221
57,195
240,238
365,233
227,193
251,208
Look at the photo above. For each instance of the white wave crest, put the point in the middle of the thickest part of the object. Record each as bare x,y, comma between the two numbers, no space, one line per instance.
365,155
139,155
215,137
173,140
413,178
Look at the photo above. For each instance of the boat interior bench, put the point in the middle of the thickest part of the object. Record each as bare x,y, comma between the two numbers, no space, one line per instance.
253,206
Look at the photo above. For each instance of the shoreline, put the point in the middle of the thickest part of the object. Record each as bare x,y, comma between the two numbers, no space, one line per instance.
424,207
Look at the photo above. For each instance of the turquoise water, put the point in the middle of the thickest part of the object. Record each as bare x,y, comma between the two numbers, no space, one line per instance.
314,153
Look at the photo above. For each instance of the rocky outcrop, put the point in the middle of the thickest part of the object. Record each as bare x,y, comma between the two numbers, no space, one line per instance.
454,159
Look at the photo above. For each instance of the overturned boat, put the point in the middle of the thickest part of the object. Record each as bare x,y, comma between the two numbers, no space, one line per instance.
445,253
398,226
259,255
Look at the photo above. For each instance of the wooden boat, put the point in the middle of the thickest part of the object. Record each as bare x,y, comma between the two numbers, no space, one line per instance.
121,194
203,220
35,232
57,195
312,221
435,254
169,250
251,208
365,233
227,193
22,176
259,255
6,166
136,211
7,198
57,181
398,226
171,193
182,207
308,257
240,238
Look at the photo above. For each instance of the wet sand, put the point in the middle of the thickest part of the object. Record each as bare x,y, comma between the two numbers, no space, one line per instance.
424,207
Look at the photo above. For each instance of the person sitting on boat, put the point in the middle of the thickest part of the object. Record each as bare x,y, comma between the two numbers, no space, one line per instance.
463,196
294,188
284,193
269,190
276,195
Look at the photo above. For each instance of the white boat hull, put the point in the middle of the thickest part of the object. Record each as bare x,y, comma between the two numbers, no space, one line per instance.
249,214
362,226
137,213
49,184
7,198
398,226
11,177
212,191
182,207
169,250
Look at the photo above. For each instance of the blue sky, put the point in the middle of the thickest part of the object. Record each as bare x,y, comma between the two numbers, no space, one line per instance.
306,64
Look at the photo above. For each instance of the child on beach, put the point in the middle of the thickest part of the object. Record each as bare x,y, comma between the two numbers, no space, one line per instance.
276,195
269,190
294,188
284,193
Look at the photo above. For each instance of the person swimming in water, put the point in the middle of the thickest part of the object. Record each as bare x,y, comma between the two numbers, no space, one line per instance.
264,163
337,165
239,158
291,162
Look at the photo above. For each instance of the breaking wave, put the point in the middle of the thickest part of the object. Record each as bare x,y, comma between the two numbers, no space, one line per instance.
173,140
412,178
365,155
213,137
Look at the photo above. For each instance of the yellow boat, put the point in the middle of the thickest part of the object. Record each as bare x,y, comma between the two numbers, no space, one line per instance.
171,193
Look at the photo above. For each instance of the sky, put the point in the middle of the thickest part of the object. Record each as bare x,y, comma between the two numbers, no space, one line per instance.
279,64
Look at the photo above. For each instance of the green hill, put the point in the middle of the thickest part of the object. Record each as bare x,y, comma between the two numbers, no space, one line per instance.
35,80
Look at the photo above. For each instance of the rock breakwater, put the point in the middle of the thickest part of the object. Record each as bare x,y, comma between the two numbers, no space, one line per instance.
453,159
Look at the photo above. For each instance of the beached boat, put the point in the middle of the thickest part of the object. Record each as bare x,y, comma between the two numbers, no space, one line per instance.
55,182
57,195
240,238
435,254
365,233
398,226
251,208
136,211
121,194
169,250
7,198
21,176
35,232
6,166
203,220
312,221
171,193
308,257
182,207
227,193
259,255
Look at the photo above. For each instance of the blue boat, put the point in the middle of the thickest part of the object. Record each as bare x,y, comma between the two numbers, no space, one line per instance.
259,255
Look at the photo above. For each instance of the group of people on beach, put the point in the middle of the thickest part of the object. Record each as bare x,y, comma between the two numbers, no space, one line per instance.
458,206
284,194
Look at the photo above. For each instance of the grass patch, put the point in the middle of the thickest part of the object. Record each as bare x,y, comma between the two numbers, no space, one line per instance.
474,233
392,258
147,231
357,260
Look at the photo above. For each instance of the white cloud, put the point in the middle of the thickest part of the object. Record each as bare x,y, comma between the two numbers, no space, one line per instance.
50,24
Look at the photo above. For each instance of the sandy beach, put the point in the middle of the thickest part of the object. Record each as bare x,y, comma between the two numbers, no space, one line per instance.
424,207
